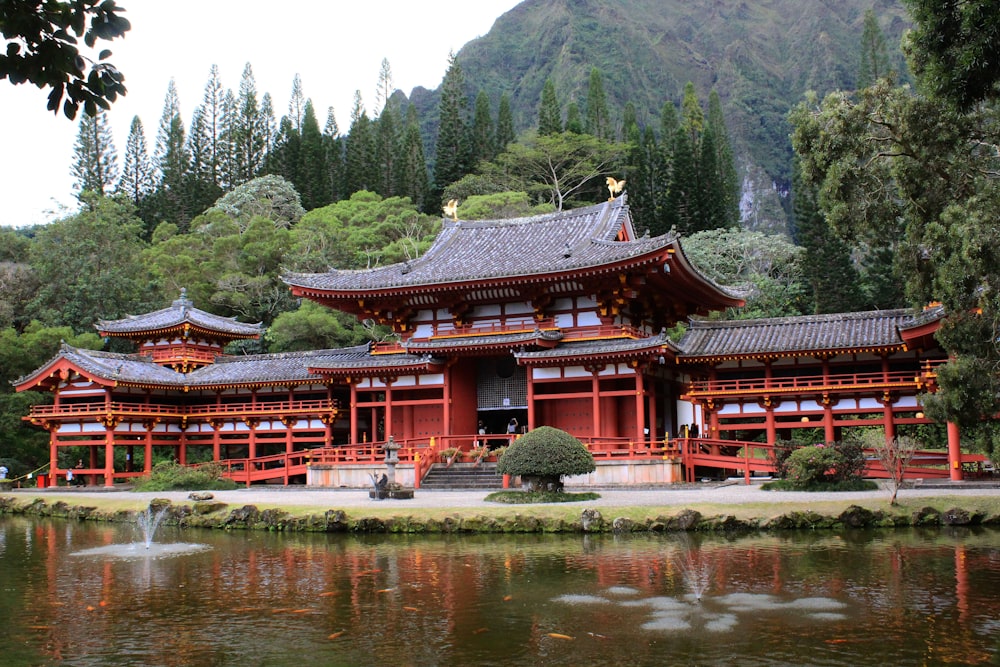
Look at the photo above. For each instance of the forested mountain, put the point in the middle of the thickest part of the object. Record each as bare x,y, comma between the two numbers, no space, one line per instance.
760,55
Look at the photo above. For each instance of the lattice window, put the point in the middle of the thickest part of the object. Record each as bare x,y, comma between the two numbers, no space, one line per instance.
501,384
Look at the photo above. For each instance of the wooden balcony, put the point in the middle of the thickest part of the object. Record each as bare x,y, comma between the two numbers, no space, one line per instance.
74,411
810,384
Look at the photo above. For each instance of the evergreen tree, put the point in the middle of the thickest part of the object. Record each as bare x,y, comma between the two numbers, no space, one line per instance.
297,104
413,182
384,89
648,184
212,111
171,158
483,146
574,120
172,163
693,118
268,128
598,121
200,191
228,175
505,124
359,151
681,203
248,130
333,144
284,160
313,186
386,150
137,173
874,62
725,162
452,148
833,279
549,113
95,161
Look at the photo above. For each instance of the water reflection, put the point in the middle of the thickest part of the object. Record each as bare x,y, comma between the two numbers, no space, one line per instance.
913,597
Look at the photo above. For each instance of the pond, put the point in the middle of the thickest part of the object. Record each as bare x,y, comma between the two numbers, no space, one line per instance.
91,594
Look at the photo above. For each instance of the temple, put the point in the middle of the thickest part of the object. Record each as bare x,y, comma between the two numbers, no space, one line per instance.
501,326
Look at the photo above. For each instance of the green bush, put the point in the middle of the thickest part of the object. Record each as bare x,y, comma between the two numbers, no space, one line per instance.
831,463
542,456
170,476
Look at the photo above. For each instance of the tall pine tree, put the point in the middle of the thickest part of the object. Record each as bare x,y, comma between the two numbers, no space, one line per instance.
451,158
136,181
505,124
598,120
95,161
874,63
248,130
483,144
313,185
549,113
212,112
359,153
413,181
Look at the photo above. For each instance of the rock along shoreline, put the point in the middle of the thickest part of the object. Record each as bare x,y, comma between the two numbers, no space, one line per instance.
208,510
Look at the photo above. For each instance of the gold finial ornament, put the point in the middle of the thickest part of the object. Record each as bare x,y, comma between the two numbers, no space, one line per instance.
451,208
615,187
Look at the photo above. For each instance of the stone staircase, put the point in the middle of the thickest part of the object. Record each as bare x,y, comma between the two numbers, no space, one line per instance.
462,476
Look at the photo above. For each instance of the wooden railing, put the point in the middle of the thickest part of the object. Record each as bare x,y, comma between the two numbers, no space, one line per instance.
834,383
316,406
181,353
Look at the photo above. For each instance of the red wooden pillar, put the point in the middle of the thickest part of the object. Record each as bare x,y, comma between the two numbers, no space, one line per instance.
653,399
53,451
595,401
829,434
147,449
890,424
955,452
531,397
388,412
769,425
640,404
109,455
352,437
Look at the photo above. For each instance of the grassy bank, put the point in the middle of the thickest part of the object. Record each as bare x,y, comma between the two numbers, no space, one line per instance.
565,517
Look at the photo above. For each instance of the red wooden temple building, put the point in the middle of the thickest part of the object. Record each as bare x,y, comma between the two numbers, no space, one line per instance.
555,320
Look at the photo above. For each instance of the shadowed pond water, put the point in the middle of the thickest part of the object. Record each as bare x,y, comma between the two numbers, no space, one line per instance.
80,594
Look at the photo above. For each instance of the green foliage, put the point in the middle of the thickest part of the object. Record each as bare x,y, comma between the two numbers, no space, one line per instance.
89,265
500,206
270,197
768,265
549,113
313,327
544,455
41,50
527,497
831,463
953,48
364,231
170,476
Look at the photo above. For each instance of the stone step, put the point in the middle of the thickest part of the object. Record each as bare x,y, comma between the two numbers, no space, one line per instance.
462,476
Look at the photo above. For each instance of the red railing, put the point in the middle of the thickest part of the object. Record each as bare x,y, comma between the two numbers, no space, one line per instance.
845,382
222,409
181,353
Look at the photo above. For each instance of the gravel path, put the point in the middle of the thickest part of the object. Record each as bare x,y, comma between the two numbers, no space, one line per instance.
724,494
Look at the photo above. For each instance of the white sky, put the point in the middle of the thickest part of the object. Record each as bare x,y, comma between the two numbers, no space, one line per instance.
336,47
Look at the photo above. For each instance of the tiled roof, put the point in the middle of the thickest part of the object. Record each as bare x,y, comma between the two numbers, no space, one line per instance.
277,368
870,329
484,341
114,366
594,348
180,312
273,368
474,250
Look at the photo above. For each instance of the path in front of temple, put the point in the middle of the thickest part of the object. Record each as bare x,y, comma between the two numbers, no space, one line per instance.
680,495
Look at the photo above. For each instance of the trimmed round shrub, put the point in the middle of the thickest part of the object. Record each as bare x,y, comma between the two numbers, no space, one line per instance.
542,456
